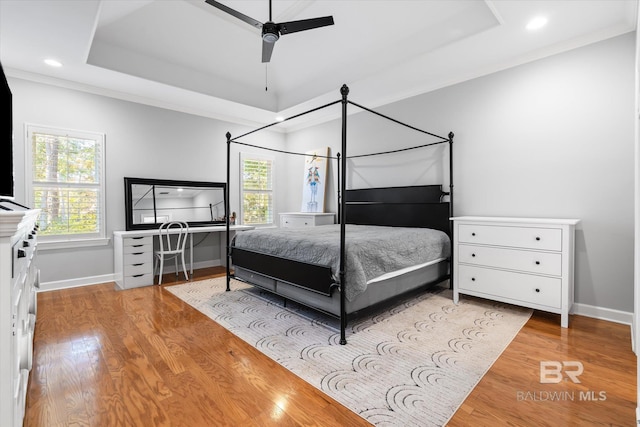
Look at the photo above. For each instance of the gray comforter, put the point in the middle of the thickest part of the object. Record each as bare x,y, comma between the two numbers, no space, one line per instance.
371,251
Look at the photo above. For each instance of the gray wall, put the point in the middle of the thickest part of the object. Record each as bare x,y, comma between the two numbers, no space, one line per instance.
141,141
552,138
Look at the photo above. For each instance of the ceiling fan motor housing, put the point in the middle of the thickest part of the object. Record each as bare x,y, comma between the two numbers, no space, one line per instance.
270,33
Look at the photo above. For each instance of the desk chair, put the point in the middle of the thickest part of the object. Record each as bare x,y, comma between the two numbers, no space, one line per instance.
172,248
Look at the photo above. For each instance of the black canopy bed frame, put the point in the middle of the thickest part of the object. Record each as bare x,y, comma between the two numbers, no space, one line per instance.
315,285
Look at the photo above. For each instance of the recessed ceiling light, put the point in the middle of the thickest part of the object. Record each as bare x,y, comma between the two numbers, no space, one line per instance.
52,62
537,23
279,119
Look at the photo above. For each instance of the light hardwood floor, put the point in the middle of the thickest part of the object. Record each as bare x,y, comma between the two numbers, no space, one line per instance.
142,357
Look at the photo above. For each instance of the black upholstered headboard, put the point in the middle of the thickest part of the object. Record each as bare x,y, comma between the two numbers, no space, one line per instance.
413,206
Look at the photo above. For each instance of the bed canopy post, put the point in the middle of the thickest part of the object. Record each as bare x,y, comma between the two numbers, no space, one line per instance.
227,210
339,193
451,175
344,90
451,225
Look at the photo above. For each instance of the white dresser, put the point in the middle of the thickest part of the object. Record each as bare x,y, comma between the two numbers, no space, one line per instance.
19,280
522,261
306,219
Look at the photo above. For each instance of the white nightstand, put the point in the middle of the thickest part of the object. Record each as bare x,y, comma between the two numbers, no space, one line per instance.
522,261
306,219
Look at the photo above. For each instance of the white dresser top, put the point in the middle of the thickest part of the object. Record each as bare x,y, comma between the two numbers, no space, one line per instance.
565,221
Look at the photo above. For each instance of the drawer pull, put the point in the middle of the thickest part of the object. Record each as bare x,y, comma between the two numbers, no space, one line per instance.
136,246
137,265
537,262
473,279
138,238
538,290
538,239
25,244
473,255
473,234
137,275
137,253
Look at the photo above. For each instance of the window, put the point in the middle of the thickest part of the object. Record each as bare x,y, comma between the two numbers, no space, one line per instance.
66,180
256,194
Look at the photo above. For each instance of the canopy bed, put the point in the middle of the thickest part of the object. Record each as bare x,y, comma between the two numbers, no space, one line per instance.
388,241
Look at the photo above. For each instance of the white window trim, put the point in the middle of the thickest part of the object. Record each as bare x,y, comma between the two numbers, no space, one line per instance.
69,241
250,155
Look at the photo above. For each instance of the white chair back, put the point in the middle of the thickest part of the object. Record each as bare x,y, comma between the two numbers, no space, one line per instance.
178,229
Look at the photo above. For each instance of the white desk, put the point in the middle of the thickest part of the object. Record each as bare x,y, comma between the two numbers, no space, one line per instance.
133,253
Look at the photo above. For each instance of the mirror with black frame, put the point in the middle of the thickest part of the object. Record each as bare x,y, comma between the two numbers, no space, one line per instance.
151,202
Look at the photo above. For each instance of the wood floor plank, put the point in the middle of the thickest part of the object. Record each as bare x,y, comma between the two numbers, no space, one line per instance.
142,357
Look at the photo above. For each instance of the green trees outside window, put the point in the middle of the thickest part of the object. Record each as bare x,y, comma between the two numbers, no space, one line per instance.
66,182
257,190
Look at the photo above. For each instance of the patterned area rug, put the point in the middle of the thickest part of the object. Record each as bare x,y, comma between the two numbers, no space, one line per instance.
412,364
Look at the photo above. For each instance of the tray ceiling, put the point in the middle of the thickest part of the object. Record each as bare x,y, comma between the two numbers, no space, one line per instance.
189,56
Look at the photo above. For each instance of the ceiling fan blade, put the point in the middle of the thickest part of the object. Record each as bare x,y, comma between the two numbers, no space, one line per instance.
235,13
305,24
267,50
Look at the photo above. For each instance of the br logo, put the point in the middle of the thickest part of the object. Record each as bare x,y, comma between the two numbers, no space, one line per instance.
553,371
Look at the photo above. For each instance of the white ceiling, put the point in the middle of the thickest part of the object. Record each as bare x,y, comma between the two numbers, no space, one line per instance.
188,56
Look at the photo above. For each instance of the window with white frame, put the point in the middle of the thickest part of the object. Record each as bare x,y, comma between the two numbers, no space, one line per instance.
66,181
256,189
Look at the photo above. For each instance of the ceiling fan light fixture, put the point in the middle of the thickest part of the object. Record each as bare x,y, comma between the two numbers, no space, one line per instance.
270,37
270,33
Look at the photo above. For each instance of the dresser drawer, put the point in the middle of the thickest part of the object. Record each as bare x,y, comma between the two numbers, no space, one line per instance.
296,221
136,269
138,280
137,241
527,288
20,264
137,249
136,246
511,259
25,349
138,258
306,219
519,237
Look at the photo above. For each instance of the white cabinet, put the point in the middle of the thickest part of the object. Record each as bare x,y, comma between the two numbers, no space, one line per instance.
522,261
19,280
133,259
306,219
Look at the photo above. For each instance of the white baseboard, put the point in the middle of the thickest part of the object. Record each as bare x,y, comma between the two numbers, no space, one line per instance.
616,316
74,283
96,280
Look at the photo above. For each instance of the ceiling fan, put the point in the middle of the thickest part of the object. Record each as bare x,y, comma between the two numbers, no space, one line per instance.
272,31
